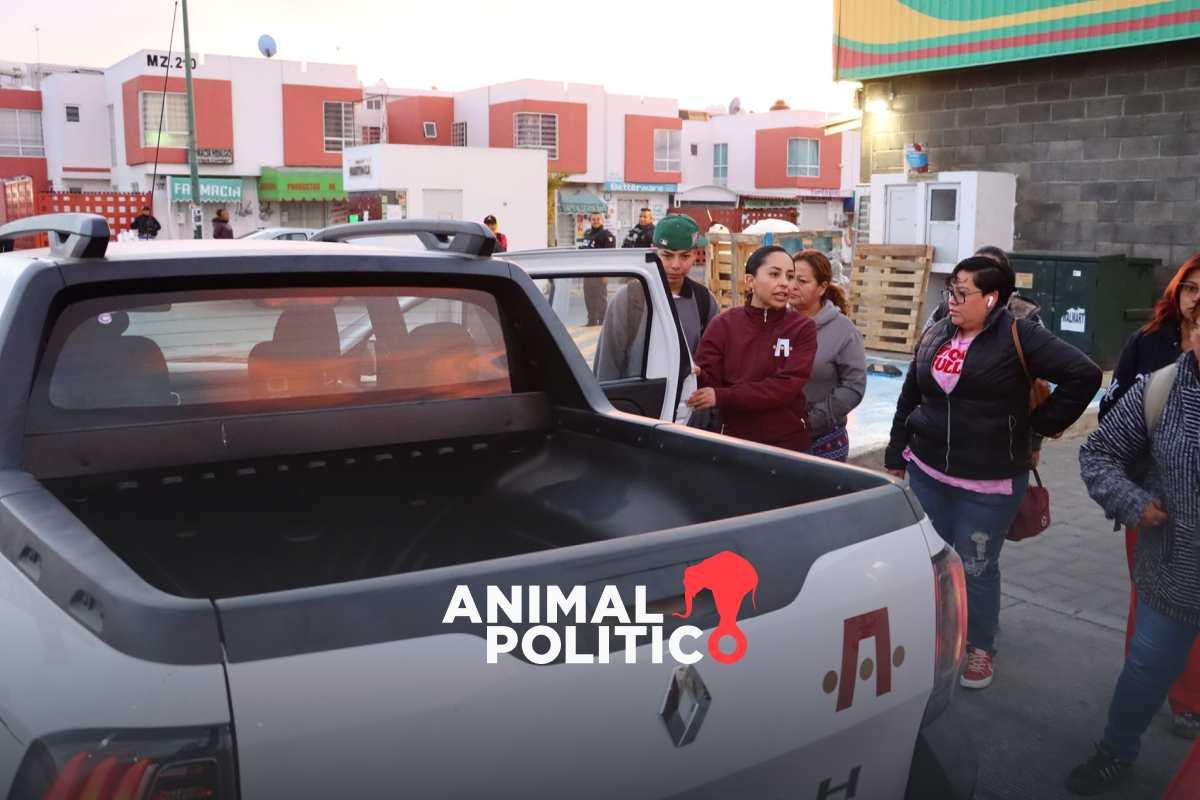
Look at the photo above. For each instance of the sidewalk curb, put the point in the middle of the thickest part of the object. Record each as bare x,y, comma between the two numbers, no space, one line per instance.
872,458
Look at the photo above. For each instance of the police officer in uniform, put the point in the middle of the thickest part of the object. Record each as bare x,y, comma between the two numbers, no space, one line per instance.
595,290
642,234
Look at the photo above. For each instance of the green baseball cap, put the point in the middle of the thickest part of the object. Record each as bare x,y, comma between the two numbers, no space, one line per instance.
676,232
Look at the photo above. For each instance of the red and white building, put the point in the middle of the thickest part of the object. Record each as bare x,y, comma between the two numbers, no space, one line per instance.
22,143
271,136
775,163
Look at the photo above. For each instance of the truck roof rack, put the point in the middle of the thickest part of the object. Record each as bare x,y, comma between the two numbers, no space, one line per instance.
451,236
71,235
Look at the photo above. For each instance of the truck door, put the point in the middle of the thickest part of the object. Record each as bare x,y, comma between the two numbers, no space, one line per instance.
637,351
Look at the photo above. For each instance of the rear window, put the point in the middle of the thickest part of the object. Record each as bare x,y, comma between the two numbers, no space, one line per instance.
306,347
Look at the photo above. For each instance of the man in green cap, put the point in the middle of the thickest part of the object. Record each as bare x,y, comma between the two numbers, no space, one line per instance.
622,342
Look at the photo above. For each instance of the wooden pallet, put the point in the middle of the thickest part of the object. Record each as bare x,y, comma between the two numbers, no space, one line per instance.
728,253
888,284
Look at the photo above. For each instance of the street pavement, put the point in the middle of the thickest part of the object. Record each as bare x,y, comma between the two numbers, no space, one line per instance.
1060,649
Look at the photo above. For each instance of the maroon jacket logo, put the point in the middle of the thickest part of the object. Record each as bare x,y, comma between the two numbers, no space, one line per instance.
730,578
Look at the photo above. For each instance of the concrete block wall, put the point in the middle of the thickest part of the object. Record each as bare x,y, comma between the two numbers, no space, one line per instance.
1106,145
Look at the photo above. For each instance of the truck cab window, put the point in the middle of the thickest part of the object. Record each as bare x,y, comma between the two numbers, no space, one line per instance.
307,347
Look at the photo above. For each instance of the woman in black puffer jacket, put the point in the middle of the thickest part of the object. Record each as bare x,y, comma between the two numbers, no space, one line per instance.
962,431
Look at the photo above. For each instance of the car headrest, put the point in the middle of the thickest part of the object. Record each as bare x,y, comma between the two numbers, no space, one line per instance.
314,328
441,336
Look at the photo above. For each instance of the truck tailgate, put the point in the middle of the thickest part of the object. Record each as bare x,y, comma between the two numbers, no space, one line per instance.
428,717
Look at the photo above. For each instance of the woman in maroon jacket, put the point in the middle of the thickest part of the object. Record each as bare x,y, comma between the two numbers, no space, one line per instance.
754,360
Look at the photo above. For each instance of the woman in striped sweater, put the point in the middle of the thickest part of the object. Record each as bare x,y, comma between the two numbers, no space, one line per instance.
1159,343
1166,508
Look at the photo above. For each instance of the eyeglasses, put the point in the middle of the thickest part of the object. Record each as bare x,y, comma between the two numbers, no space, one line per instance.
959,296
1189,288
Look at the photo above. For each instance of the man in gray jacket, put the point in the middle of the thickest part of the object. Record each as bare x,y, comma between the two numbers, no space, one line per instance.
622,344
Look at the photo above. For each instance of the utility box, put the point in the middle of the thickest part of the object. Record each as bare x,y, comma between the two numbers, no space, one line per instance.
1087,299
955,212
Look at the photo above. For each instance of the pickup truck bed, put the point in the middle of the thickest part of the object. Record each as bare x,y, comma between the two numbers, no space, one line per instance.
249,527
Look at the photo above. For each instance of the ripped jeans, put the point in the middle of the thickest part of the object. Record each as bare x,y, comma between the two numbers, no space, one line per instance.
975,525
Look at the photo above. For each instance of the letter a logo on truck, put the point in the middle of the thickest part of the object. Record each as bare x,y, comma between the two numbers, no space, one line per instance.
730,578
872,625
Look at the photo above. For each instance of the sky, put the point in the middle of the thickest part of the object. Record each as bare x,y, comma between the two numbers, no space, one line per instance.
700,53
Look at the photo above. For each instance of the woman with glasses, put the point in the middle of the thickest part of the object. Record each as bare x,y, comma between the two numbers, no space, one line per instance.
1159,343
963,428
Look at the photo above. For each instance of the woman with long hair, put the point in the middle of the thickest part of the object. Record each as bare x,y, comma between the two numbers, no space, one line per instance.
962,430
1158,343
839,376
755,359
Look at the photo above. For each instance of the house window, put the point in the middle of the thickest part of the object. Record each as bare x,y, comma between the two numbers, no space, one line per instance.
430,130
458,134
666,151
339,126
174,129
375,104
371,134
536,132
803,158
72,113
720,164
21,133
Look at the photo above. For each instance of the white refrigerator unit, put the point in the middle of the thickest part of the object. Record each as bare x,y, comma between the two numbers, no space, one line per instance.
956,212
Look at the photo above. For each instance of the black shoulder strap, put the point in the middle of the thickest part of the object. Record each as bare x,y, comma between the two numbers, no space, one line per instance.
703,304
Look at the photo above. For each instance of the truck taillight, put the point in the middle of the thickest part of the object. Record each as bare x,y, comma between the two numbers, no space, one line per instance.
129,764
950,635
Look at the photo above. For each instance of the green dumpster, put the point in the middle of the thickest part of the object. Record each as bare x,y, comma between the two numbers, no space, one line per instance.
1087,299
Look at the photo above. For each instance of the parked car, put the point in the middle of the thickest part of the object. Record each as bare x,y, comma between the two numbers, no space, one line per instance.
287,234
239,544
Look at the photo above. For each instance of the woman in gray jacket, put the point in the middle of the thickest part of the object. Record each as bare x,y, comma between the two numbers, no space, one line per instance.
839,374
1158,417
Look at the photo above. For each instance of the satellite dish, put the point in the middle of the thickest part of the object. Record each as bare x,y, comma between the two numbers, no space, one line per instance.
267,46
735,105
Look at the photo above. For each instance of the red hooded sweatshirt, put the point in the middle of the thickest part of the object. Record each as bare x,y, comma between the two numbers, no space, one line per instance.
758,360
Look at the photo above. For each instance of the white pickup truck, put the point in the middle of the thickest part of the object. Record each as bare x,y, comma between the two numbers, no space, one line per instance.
316,519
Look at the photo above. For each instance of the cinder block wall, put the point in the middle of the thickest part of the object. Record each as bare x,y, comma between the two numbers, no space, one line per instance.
1106,145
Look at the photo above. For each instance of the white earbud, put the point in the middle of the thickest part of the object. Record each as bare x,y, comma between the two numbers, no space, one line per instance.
991,300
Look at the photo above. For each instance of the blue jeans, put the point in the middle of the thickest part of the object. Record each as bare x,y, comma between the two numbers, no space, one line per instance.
975,525
1157,656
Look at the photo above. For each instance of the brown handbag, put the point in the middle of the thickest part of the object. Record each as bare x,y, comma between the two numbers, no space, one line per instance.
1033,515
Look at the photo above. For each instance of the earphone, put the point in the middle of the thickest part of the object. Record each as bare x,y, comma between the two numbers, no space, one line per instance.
991,301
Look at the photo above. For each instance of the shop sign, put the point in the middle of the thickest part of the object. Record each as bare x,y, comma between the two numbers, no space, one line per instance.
214,155
212,190
640,188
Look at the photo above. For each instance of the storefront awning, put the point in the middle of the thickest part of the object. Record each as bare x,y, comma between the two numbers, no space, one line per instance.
578,201
281,184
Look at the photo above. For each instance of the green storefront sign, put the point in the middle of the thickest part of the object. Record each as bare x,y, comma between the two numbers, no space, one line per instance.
212,190
300,185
